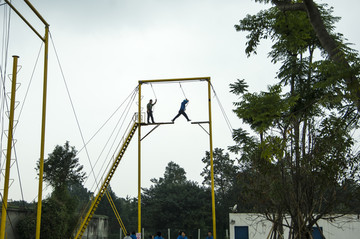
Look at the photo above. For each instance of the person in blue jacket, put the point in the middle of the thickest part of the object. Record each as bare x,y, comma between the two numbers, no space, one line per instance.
133,235
182,110
182,235
158,236
209,235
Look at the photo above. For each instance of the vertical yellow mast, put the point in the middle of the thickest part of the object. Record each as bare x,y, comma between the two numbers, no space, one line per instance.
139,161
8,153
42,146
211,163
45,39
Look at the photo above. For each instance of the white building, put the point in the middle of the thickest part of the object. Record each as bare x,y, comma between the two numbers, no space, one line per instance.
255,226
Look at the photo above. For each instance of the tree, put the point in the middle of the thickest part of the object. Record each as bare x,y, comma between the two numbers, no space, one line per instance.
64,173
225,175
224,171
303,154
174,174
62,168
335,49
174,202
300,180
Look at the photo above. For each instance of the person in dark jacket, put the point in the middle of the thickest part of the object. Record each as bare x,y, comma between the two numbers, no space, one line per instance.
182,110
149,108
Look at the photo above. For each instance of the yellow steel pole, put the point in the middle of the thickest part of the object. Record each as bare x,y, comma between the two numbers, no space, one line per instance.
8,153
42,146
139,161
211,163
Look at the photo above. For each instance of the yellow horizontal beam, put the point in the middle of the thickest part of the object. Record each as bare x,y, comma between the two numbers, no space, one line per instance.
175,80
26,22
36,12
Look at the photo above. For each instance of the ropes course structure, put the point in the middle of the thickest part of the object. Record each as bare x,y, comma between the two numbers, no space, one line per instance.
137,123
117,142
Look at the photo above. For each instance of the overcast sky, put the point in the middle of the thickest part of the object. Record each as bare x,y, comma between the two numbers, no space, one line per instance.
105,48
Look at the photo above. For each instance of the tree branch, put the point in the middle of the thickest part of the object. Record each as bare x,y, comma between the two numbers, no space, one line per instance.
327,42
332,48
288,6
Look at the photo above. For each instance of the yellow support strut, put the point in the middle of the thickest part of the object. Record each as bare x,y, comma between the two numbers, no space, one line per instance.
42,143
45,39
139,161
211,163
117,215
105,184
8,153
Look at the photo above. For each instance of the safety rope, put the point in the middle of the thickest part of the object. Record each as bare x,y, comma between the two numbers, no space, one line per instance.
153,91
3,67
75,115
182,90
73,107
122,121
222,110
110,117
30,81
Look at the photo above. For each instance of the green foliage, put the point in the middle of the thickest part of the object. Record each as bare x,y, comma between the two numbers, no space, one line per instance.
177,204
80,195
301,160
59,212
174,174
225,181
262,110
224,171
57,220
239,87
62,168
126,209
26,226
259,26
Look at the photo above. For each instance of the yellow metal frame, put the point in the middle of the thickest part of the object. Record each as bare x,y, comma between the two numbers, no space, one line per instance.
8,153
210,142
42,144
139,161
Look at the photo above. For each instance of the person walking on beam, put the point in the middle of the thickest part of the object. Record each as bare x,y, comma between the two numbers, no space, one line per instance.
182,110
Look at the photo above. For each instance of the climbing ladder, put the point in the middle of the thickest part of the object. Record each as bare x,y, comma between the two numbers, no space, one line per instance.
105,184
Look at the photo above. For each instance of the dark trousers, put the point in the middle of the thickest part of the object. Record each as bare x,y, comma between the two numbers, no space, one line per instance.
181,112
150,116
